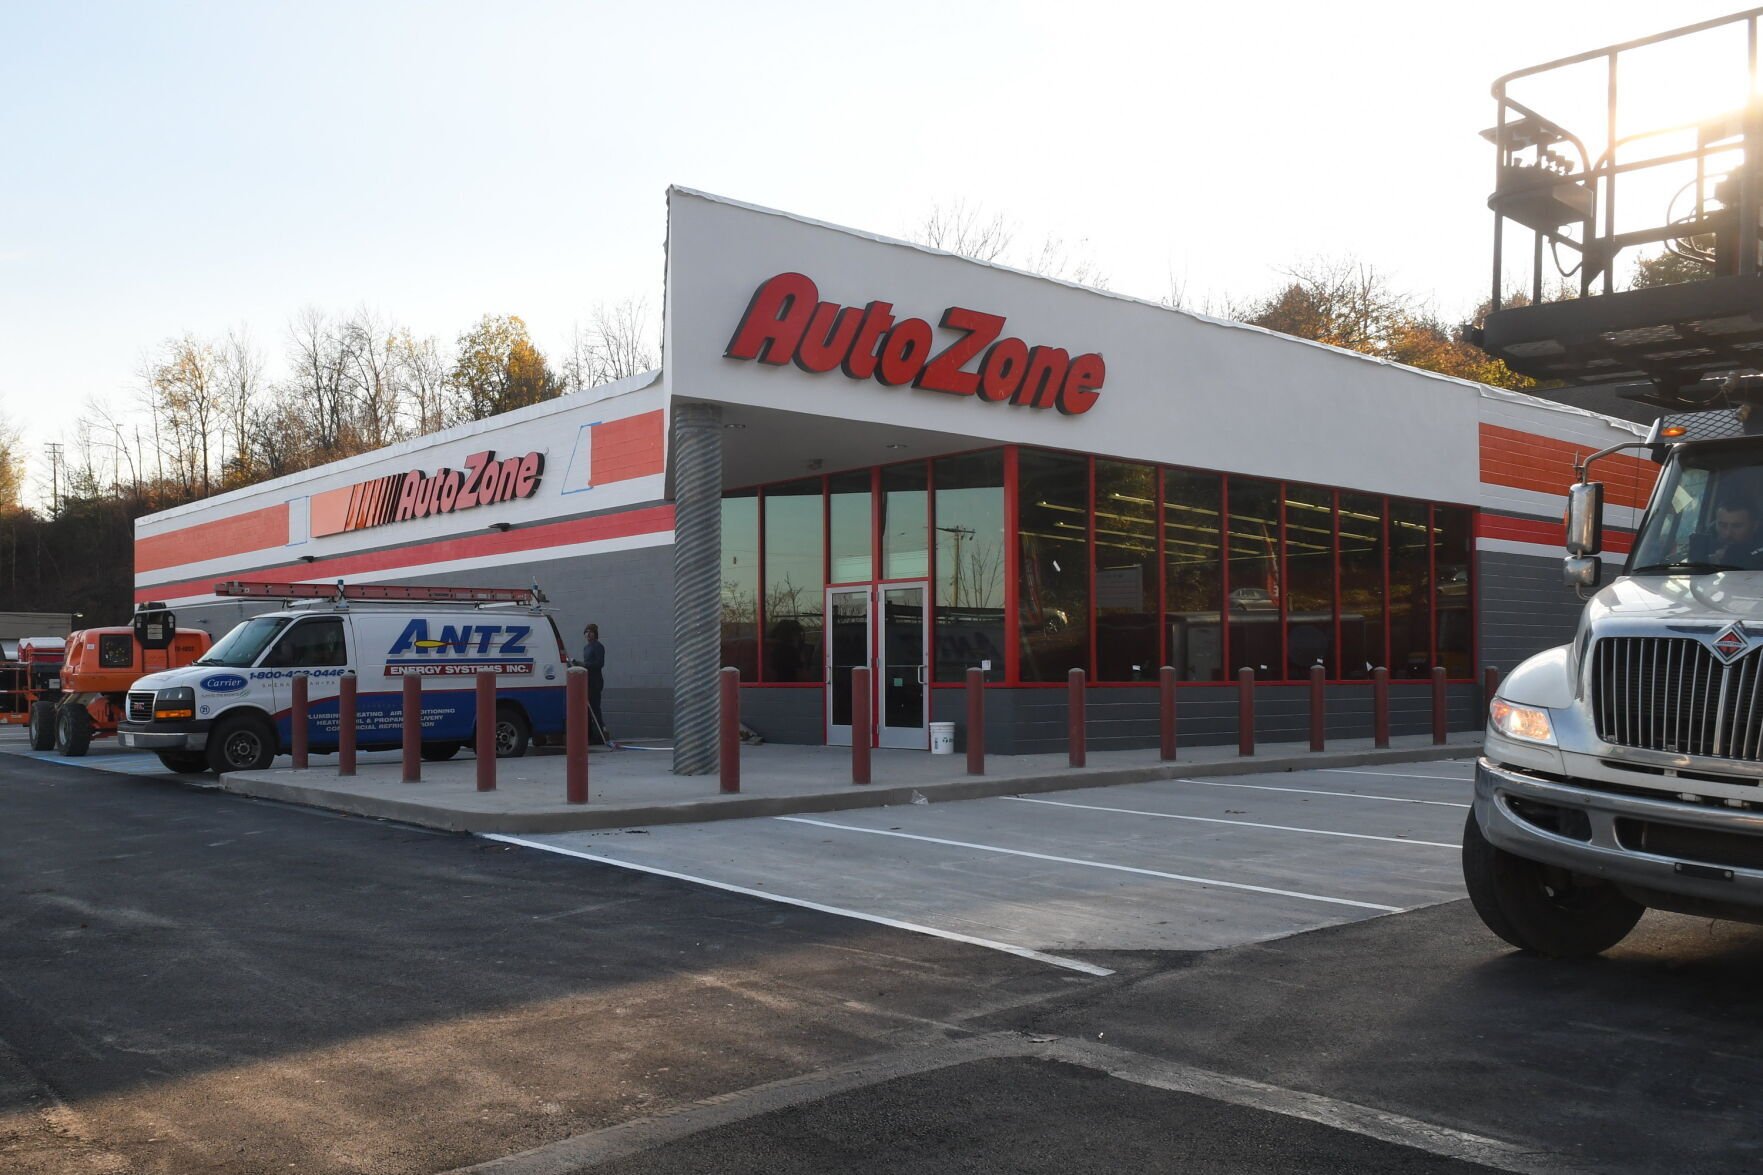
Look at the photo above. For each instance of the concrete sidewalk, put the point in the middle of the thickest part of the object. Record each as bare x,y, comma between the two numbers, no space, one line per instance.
636,787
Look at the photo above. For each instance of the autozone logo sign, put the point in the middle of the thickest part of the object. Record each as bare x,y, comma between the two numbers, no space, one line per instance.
786,322
399,497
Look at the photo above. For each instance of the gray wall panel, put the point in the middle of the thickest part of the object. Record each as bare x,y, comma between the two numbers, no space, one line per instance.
1525,608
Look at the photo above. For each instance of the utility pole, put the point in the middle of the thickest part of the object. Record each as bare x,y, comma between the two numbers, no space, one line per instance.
54,448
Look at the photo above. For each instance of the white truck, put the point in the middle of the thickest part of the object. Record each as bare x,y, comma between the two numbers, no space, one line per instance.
231,710
1625,770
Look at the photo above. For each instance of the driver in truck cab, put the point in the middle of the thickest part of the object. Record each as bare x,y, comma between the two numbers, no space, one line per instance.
1736,533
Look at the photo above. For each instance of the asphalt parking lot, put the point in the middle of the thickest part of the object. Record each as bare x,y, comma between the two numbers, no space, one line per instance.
1180,865
1261,974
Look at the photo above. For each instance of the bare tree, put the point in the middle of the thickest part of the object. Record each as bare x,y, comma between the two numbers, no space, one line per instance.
241,377
183,386
616,345
367,351
1072,263
965,229
423,372
319,381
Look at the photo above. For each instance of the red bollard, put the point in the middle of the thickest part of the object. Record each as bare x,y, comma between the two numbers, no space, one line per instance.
729,752
1074,682
1166,713
1490,687
1440,716
1245,711
486,731
1380,707
412,728
860,724
297,710
976,721
346,707
575,736
1318,708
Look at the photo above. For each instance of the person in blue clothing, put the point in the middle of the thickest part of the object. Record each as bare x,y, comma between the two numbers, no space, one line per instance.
594,659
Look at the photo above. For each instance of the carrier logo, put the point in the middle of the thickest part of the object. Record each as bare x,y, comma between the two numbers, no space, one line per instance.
223,683
787,323
1730,645
400,497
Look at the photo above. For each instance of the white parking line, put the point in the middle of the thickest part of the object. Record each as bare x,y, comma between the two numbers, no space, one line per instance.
897,924
1308,791
1397,774
1394,840
962,844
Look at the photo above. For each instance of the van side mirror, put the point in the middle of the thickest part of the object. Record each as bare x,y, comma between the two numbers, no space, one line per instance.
1585,518
1583,571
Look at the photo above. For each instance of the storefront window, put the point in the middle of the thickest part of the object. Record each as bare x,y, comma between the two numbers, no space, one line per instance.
1410,595
1126,572
1453,553
794,583
904,515
1310,549
848,527
970,565
740,583
1053,593
1362,587
1193,575
1255,587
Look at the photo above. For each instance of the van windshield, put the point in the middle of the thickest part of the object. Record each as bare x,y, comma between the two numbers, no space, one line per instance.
240,648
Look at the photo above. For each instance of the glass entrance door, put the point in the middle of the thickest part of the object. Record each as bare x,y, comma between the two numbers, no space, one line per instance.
904,671
847,647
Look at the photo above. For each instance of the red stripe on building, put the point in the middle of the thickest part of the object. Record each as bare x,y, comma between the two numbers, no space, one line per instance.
1543,532
648,520
1544,465
632,447
254,530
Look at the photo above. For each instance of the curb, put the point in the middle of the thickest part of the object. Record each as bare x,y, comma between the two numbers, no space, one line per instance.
453,819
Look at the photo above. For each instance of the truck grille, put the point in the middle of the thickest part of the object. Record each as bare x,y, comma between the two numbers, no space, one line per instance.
1672,694
140,705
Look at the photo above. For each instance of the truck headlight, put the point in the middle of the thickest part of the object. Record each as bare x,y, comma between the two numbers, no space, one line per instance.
1528,724
171,705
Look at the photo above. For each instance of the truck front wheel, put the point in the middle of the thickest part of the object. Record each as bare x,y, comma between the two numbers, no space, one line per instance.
1540,908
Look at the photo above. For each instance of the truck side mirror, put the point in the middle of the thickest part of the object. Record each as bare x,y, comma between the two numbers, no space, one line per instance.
1583,571
1585,518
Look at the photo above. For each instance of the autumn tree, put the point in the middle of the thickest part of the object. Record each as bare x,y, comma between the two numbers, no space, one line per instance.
499,369
1673,266
182,389
11,469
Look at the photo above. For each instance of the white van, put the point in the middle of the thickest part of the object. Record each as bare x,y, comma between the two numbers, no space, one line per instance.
230,710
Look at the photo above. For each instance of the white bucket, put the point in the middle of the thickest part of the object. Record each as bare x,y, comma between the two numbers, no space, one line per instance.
942,738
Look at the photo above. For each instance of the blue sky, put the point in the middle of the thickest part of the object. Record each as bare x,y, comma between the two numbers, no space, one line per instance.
195,167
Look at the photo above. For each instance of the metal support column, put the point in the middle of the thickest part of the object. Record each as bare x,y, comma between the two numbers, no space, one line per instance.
696,458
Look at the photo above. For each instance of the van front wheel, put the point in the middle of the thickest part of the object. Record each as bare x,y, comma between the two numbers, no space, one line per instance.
513,732
241,743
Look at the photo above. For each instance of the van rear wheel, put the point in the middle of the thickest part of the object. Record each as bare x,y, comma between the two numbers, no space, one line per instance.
513,732
241,742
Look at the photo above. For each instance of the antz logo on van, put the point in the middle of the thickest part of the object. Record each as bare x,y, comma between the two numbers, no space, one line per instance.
462,639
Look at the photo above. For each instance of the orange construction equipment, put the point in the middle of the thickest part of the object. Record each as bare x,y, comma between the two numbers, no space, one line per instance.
101,665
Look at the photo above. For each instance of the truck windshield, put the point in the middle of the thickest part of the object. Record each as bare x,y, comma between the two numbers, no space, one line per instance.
1708,515
241,647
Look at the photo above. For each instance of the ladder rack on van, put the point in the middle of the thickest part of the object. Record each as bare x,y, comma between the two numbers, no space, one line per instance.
385,593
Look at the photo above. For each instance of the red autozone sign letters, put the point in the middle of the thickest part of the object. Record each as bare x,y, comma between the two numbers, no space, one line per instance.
398,497
786,322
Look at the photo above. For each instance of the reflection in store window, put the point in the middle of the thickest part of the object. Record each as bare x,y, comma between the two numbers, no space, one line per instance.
1193,574
1362,594
1255,587
1310,546
1053,592
1126,572
1410,594
970,565
740,583
848,526
794,585
904,553
1453,555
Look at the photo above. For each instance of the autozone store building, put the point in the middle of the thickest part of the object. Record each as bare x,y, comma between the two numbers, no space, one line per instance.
860,451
